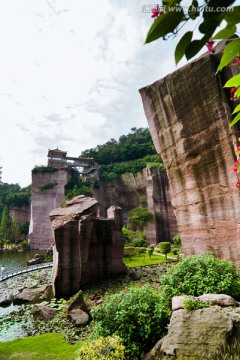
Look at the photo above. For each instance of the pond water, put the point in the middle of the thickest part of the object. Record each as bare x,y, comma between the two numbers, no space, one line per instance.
13,260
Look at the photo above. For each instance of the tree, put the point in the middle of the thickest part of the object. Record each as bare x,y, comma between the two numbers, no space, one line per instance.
171,17
139,217
165,248
4,226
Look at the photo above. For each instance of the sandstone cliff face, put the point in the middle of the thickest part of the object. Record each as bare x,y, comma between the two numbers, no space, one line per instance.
189,115
20,214
128,190
44,201
86,248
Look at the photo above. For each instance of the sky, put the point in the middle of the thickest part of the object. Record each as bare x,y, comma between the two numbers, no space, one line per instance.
70,72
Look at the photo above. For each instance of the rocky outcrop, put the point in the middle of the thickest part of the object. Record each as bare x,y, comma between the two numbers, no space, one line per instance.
196,334
38,259
86,248
79,317
34,295
148,188
42,312
6,299
189,113
44,200
20,214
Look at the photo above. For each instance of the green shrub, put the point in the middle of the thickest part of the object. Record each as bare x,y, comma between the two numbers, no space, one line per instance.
195,304
150,251
202,274
165,248
139,317
44,169
47,186
157,251
135,238
174,251
139,217
177,240
129,251
108,348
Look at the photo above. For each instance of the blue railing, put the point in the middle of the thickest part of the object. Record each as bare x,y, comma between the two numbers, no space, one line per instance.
9,275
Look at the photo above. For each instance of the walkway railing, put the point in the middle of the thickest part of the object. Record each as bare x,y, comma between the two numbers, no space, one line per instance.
9,275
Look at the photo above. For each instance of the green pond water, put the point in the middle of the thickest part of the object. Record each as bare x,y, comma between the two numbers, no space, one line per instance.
13,260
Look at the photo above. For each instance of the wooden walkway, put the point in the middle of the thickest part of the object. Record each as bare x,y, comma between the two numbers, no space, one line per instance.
9,275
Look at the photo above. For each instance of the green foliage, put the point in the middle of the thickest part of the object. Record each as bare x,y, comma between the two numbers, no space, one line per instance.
143,199
135,145
150,251
135,238
47,186
44,169
177,240
139,217
77,186
227,352
165,248
108,348
195,304
174,251
202,274
129,251
138,316
50,346
24,244
24,229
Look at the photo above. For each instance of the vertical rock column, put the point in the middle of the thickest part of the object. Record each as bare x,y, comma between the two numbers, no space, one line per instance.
189,115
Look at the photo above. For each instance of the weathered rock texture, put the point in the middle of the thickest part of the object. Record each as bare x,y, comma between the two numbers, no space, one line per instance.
86,248
20,214
44,201
128,192
189,114
196,334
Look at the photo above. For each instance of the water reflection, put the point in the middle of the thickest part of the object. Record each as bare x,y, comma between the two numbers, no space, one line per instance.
13,260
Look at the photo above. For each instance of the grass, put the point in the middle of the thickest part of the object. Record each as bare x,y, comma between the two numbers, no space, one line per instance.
144,259
51,346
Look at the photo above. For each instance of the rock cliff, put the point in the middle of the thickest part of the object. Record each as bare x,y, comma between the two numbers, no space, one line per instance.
20,214
47,194
189,113
148,188
86,248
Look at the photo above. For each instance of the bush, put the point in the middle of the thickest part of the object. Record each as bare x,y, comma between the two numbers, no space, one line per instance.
202,274
129,251
136,238
109,348
47,186
150,251
139,217
177,240
139,317
165,248
195,304
174,251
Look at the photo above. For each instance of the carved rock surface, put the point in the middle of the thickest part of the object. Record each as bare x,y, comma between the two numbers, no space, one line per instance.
194,335
189,113
86,248
34,295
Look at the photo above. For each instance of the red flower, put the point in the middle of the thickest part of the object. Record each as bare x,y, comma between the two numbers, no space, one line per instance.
157,11
232,91
210,44
237,183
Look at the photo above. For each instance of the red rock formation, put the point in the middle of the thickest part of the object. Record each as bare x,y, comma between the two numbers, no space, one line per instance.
20,214
44,201
128,190
189,114
86,248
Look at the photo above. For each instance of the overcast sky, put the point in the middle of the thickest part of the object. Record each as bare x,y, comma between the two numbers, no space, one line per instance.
70,71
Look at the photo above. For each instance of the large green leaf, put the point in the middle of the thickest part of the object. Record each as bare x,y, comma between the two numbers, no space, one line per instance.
233,17
226,33
181,46
235,120
237,92
195,46
234,81
164,24
193,11
237,109
231,50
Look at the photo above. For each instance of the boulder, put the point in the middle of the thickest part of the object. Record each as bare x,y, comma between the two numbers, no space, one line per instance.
38,259
79,317
34,295
6,299
199,333
77,302
43,312
215,299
